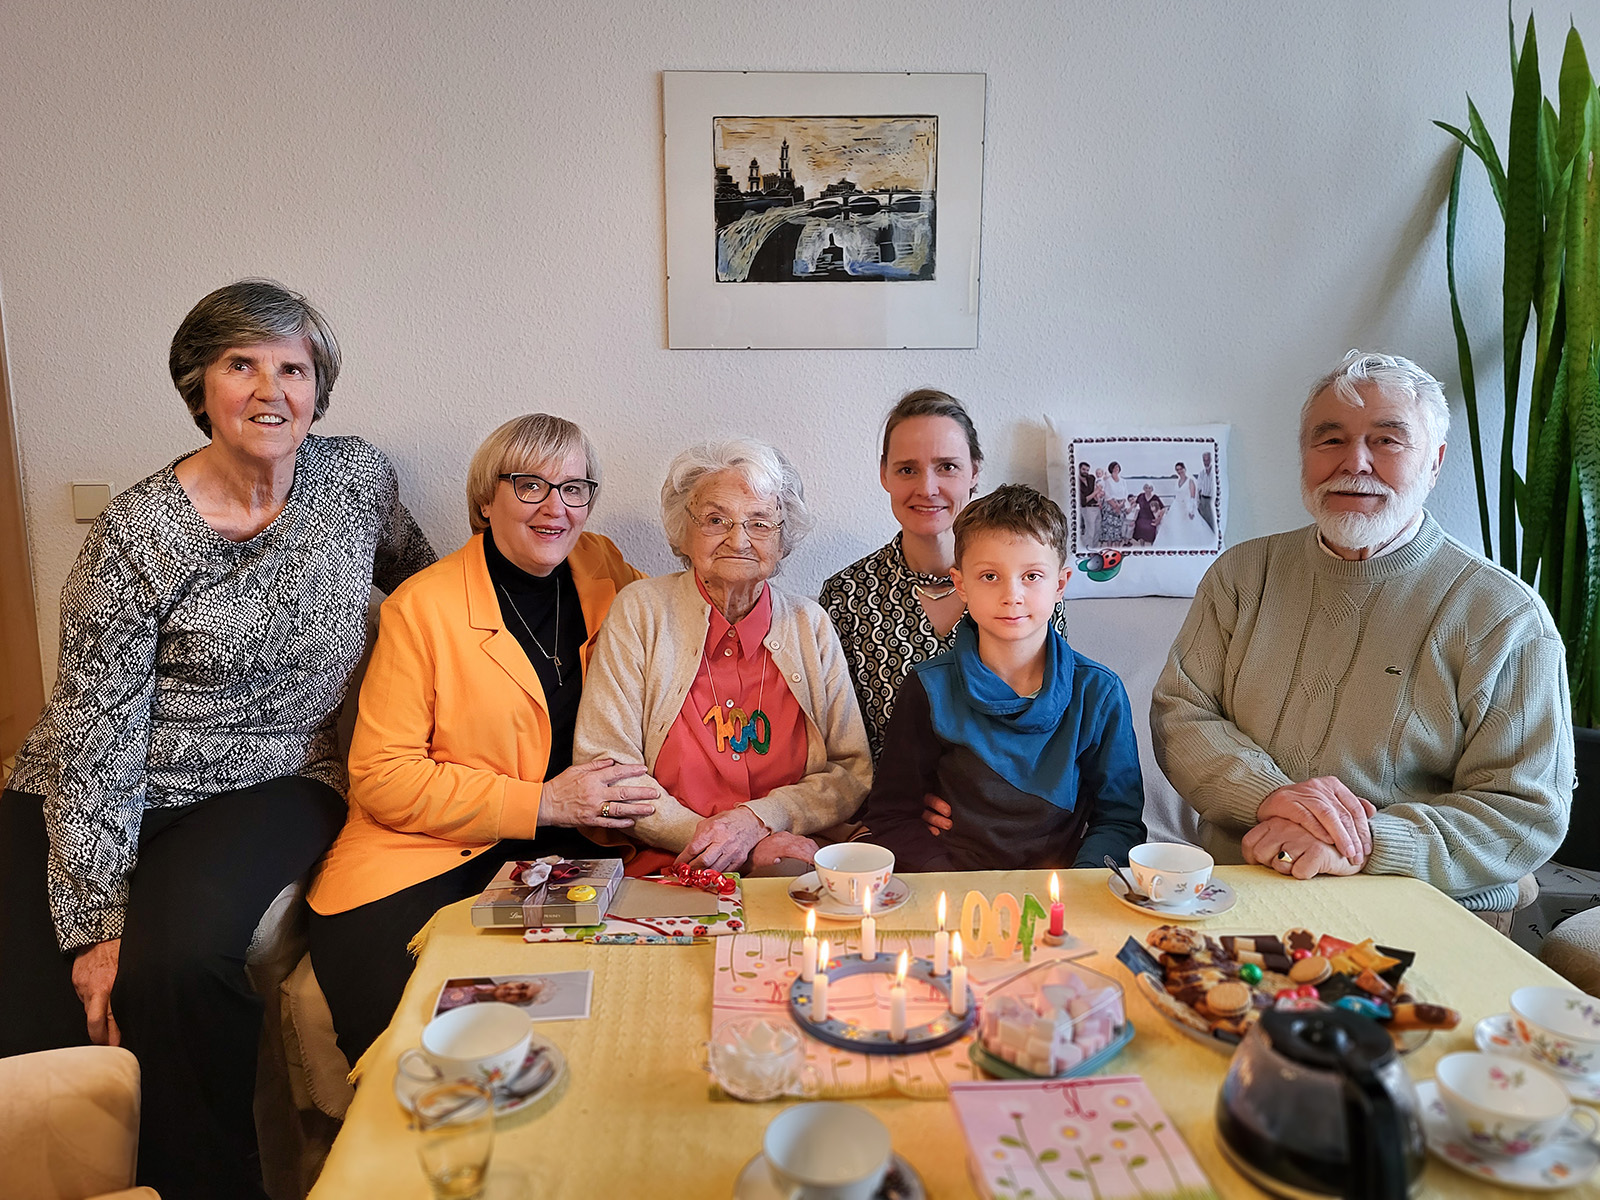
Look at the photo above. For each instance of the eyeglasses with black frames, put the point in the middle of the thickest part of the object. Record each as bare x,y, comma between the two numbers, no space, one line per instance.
532,489
717,527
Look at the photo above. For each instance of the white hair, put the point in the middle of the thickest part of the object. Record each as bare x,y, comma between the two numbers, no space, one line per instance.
764,469
1393,375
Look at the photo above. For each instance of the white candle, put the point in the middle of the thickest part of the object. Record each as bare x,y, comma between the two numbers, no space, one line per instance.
958,981
869,930
808,948
897,1001
819,985
941,943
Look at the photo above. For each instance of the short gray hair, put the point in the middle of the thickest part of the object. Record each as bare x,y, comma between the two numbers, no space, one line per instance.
1392,375
765,469
245,314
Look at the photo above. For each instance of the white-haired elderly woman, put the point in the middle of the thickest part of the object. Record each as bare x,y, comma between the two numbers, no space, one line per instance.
735,695
187,768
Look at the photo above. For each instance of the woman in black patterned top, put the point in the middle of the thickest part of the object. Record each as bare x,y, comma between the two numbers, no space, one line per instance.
896,607
186,769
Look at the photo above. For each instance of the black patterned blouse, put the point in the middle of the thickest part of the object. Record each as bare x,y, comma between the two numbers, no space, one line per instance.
192,665
884,629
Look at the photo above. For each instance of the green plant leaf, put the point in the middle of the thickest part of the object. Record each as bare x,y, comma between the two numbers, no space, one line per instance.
1469,387
1137,1160
1122,1126
1573,89
1049,1155
1549,465
1549,169
1524,229
1007,1140
1490,156
1582,356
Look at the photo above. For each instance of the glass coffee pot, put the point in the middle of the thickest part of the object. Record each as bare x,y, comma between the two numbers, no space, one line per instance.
1317,1103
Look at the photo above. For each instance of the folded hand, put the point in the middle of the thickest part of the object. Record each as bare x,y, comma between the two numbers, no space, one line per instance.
724,840
1325,807
1309,855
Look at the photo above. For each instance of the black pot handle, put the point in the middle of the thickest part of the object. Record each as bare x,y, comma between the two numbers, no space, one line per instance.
1374,1132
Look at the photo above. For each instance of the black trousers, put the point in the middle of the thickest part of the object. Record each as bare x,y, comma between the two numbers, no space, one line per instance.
205,875
360,956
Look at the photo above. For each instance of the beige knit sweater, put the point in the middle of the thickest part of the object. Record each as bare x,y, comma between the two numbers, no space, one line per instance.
643,665
1429,680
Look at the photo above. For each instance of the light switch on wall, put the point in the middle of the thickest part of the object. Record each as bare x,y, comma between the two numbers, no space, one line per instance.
89,500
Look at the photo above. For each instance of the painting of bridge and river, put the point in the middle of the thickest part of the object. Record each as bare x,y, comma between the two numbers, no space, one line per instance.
831,198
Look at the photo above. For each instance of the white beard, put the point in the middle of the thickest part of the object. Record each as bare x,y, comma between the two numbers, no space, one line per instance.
1364,531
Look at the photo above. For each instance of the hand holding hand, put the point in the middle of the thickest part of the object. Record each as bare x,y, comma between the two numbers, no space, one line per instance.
1325,807
936,815
594,795
94,970
724,840
1309,855
781,845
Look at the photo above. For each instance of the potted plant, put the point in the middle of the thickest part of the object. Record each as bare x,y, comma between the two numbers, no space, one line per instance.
1548,190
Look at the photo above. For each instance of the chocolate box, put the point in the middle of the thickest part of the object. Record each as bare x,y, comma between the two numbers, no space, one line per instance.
509,904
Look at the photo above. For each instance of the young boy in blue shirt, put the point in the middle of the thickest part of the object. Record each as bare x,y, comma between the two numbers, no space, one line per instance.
1029,743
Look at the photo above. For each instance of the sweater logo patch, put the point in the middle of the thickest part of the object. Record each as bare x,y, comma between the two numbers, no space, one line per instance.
1391,670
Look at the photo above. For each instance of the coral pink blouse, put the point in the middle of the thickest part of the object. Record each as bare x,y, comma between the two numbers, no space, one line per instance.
720,751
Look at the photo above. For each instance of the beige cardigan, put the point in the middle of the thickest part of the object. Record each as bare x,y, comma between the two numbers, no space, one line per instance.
643,665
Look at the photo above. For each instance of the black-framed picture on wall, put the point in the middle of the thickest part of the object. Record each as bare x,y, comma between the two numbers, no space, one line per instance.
822,210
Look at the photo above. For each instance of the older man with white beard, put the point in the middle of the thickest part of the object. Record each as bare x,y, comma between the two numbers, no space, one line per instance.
1366,693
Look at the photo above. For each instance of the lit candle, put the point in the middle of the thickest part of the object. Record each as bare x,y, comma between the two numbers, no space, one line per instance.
1058,911
808,948
941,943
897,1000
819,985
869,930
958,980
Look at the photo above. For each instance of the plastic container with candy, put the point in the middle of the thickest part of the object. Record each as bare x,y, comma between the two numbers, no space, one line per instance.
1055,1020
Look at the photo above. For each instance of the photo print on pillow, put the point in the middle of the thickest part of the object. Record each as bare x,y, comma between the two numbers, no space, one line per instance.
1147,508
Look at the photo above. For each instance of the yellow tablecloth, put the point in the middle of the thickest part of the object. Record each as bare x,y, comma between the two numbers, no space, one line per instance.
638,1116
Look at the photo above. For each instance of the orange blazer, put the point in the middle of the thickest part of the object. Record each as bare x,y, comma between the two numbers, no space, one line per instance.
453,735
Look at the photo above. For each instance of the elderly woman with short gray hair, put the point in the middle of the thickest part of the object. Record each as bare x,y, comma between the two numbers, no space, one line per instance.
735,695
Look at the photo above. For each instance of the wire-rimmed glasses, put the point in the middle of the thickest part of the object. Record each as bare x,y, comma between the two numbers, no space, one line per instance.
717,527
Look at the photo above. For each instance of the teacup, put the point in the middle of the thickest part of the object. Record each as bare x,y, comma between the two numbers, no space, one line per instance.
827,1151
486,1043
851,870
1170,872
1560,1027
1506,1106
754,1058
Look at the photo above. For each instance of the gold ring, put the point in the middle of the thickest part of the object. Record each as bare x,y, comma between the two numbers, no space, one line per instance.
1285,857
605,810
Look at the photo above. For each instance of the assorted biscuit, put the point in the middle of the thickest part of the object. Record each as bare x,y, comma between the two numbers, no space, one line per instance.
1221,986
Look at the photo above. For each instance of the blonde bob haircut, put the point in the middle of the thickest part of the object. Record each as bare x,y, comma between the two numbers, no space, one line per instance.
524,445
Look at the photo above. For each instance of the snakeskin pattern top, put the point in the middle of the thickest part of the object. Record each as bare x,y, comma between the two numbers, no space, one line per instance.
192,665
884,630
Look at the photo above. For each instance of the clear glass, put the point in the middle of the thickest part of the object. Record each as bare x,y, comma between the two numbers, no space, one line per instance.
532,489
455,1130
715,525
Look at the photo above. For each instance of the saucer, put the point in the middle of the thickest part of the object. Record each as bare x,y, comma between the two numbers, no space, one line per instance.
808,893
1494,1035
901,1183
1210,901
1561,1164
541,1071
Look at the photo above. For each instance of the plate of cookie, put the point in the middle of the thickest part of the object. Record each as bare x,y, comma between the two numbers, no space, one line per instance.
1214,987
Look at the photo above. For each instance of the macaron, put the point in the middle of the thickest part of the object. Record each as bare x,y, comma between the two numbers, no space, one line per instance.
1310,970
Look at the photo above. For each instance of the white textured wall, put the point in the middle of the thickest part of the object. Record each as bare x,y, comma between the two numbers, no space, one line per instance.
1190,211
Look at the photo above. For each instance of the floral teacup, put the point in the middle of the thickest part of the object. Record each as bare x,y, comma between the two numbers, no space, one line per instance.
1506,1107
1560,1027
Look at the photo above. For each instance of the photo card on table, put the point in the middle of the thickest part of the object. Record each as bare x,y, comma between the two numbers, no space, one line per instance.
554,996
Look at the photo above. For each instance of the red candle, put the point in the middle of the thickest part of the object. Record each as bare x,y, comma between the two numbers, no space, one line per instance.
1058,911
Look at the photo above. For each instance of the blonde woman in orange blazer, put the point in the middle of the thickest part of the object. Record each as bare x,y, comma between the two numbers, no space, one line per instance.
462,754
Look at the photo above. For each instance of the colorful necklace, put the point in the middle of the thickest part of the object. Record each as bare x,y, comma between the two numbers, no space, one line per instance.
736,730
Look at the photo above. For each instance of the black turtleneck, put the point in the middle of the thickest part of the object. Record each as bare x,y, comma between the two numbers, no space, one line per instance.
528,602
